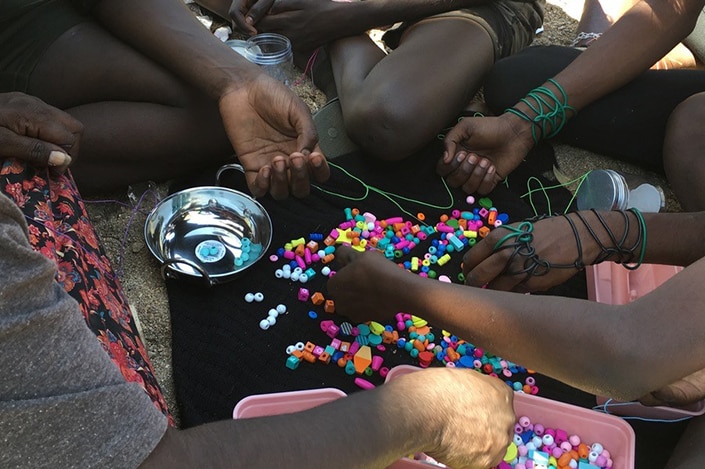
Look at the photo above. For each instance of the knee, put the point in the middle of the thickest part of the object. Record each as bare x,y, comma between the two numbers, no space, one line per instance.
684,130
382,127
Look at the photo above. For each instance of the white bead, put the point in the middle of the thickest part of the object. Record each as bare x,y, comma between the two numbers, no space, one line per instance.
264,324
300,346
259,297
294,277
281,308
271,320
303,278
249,297
273,312
287,274
290,349
325,271
297,270
286,268
279,273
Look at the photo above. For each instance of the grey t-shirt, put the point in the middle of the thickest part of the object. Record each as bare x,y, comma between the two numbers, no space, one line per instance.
63,403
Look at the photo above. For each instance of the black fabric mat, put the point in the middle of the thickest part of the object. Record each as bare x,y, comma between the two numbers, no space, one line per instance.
220,354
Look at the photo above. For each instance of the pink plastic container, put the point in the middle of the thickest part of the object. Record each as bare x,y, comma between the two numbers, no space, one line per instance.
611,283
614,433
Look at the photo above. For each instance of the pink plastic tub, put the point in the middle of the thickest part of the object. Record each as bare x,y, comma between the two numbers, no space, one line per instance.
611,283
614,433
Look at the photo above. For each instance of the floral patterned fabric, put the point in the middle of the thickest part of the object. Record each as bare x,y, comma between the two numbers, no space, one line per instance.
60,229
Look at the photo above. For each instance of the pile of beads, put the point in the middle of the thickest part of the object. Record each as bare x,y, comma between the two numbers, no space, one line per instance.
396,238
538,447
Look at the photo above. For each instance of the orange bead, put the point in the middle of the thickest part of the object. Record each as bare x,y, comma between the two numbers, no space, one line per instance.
583,450
421,216
444,218
564,460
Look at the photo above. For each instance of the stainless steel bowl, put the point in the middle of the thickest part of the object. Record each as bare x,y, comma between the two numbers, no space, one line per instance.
210,232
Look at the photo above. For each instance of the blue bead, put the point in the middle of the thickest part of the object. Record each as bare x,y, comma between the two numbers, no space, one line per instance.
312,314
280,252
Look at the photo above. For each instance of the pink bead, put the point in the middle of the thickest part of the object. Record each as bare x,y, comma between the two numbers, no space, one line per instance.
606,453
530,381
566,446
534,390
332,331
539,429
354,347
574,440
300,262
523,451
550,431
470,200
307,256
289,255
376,362
421,235
334,234
443,228
355,331
556,452
518,429
601,461
384,371
455,213
364,384
401,326
393,220
324,325
274,258
524,421
560,436
303,294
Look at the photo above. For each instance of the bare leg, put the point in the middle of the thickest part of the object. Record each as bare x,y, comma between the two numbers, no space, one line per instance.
599,15
140,121
688,452
395,104
683,152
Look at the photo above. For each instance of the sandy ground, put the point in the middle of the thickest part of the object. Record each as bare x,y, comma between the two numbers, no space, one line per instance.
121,228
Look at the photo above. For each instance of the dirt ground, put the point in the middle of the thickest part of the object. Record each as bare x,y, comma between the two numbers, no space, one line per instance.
121,228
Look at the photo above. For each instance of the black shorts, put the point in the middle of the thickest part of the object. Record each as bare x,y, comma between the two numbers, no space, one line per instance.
512,25
26,36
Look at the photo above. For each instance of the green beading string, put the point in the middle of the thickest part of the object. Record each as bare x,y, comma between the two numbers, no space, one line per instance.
522,232
642,229
543,189
553,113
388,195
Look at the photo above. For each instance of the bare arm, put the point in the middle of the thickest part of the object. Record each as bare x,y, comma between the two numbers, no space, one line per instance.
637,40
620,351
311,23
270,128
368,429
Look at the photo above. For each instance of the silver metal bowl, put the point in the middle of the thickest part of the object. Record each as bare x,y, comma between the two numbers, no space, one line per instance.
210,232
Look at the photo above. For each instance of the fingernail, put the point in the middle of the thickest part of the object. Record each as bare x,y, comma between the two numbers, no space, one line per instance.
472,158
317,161
446,157
484,163
59,158
460,157
265,172
279,165
249,20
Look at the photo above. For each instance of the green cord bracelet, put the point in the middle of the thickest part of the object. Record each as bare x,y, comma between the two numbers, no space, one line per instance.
553,113
522,235
642,229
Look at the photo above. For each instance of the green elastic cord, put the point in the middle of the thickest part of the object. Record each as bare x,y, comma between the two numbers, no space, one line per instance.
522,233
551,115
642,236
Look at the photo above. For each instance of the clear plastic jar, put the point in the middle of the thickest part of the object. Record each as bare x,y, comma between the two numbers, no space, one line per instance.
273,53
606,189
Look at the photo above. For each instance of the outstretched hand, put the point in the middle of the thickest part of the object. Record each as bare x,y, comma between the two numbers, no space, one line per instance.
37,133
481,151
274,137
